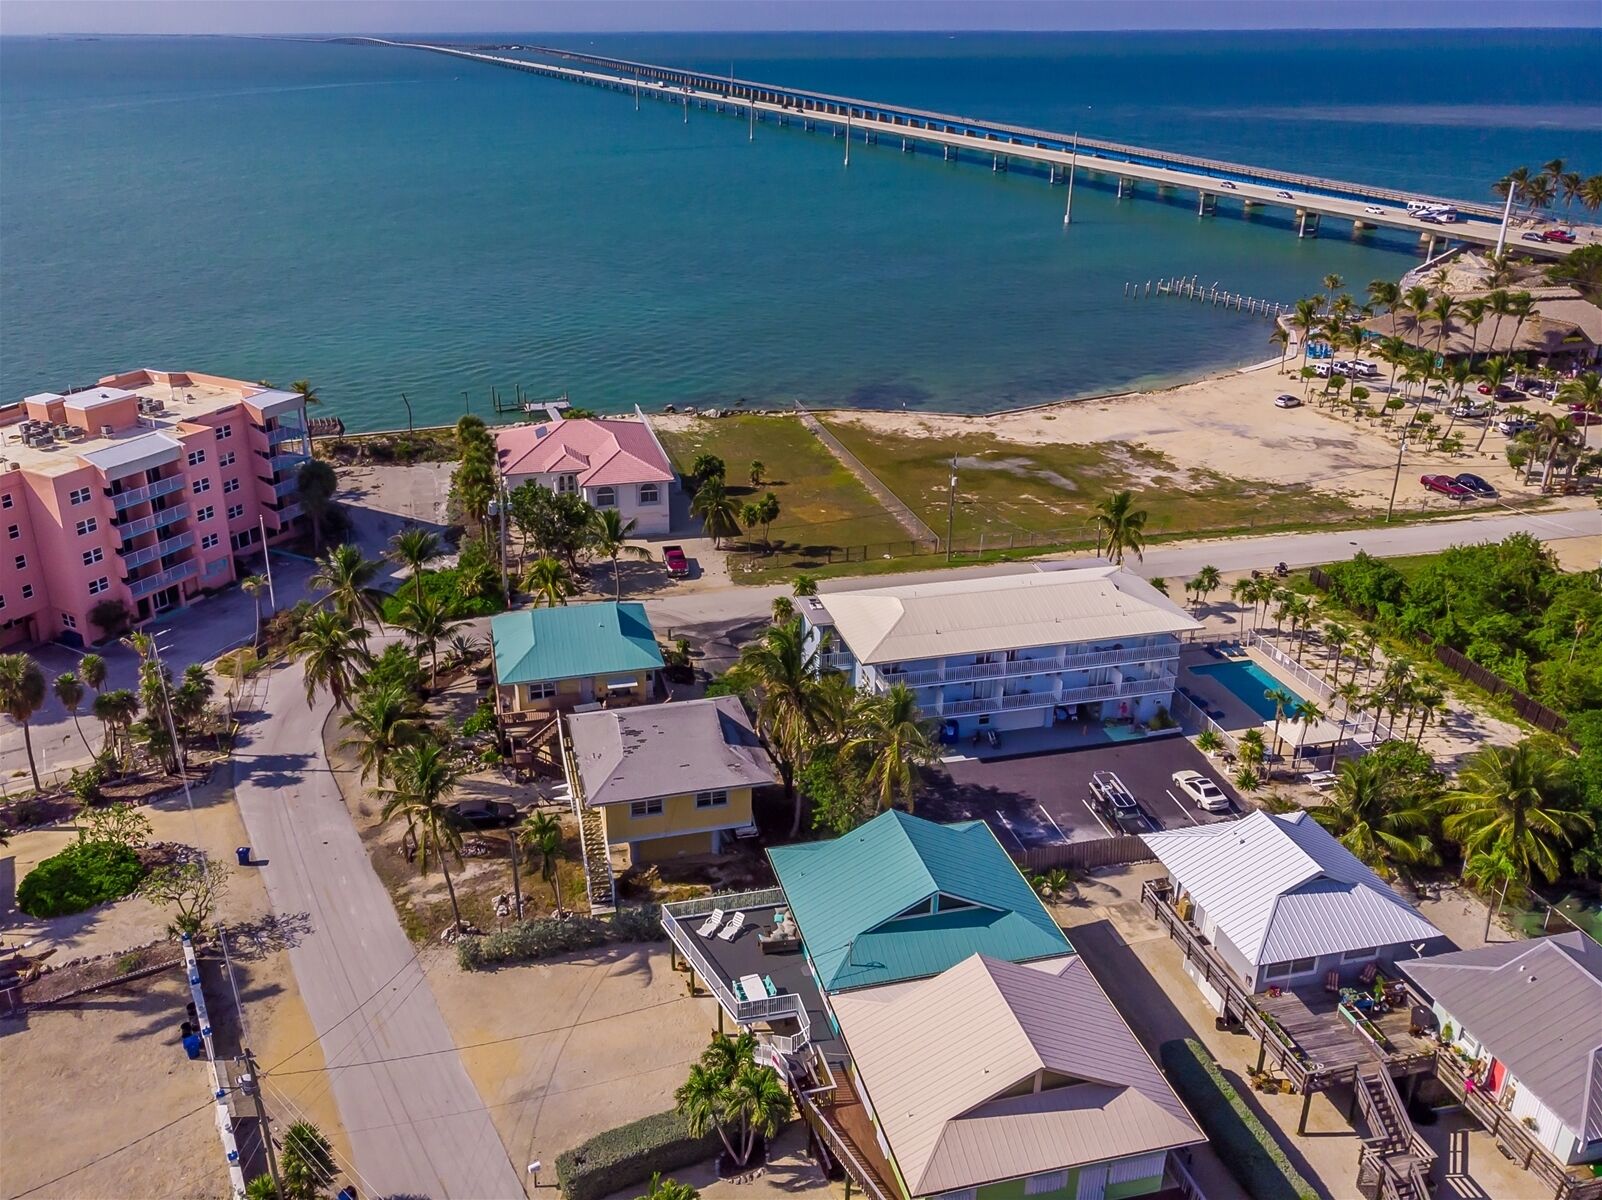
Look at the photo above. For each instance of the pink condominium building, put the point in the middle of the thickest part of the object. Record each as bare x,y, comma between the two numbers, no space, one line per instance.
139,490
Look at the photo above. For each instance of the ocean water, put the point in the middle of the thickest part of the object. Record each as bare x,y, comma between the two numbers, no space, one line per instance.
384,221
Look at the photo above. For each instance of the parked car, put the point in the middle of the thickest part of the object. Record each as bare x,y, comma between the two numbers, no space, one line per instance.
1361,366
1323,370
1476,485
1117,799
678,566
1501,391
1513,426
1535,237
484,814
1581,415
1537,387
1446,486
1286,400
1470,409
1207,794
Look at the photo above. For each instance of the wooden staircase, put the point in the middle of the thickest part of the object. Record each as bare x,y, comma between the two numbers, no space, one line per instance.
598,881
1395,1163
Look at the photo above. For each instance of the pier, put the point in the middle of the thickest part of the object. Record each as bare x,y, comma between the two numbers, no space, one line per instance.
1307,200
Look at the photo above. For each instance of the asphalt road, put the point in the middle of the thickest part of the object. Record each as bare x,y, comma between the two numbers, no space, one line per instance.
417,1125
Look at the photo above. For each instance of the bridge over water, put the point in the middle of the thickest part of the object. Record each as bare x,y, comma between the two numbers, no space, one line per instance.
1309,199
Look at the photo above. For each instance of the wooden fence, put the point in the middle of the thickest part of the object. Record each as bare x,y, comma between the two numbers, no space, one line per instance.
1087,856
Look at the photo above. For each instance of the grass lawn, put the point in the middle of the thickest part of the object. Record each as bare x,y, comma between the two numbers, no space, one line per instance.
822,506
1010,491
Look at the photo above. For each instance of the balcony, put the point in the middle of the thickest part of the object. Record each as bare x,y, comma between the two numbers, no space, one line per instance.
838,661
285,433
287,461
141,495
154,583
1067,661
286,487
150,554
1128,689
160,520
288,513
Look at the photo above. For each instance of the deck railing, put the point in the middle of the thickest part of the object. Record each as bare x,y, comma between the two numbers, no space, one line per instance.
839,1142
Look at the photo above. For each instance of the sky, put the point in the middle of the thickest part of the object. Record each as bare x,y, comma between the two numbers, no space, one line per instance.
20,17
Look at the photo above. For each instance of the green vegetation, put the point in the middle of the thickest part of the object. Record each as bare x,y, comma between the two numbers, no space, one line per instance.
546,937
728,1092
86,873
1250,1152
822,505
1008,489
306,1165
631,1154
22,693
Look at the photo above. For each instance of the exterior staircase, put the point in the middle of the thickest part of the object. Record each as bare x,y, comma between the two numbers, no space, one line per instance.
599,883
1395,1162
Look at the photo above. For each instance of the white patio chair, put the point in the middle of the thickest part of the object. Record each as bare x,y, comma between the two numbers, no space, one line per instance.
736,923
710,926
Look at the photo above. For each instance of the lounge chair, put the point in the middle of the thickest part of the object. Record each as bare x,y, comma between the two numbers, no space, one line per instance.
710,926
1332,981
767,982
1366,975
736,923
739,991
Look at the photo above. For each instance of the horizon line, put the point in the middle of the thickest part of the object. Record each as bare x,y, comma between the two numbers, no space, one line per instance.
288,35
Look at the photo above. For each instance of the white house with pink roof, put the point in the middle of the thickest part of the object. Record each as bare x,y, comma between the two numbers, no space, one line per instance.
613,462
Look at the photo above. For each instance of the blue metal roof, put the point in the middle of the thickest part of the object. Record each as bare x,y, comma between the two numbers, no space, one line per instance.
572,641
849,897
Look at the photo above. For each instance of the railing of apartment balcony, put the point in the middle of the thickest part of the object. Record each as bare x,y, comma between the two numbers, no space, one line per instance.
139,495
285,433
149,554
1167,648
287,514
154,583
1129,688
287,460
160,520
286,487
836,662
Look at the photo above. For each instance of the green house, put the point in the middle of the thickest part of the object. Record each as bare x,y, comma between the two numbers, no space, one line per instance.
552,659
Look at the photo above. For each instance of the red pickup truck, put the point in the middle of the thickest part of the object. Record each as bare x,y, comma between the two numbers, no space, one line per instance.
677,565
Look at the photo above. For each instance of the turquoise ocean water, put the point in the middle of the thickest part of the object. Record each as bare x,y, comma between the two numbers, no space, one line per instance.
384,221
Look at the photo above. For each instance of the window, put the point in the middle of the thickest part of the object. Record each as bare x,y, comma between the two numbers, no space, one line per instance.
99,585
22,562
646,808
605,497
206,513
230,486
209,541
13,532
719,799
27,591
200,485
79,495
2,601
1280,970
89,526
7,501
235,511
225,459
965,1194
196,457
224,432
1356,955
91,556
650,494
70,621
543,690
566,484
1039,1185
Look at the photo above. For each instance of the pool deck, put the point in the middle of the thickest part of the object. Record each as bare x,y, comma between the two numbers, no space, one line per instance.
1237,714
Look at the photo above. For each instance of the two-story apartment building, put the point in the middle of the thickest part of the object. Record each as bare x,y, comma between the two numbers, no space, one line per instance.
139,492
1009,652
549,660
612,462
668,779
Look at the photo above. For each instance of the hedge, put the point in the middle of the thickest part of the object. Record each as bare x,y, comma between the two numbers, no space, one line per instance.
1248,1149
630,1154
545,937
81,876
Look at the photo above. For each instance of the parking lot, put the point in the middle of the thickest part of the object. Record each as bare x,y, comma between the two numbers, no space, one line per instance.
1045,799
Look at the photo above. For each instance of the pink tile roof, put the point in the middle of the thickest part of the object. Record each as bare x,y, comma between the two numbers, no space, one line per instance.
599,450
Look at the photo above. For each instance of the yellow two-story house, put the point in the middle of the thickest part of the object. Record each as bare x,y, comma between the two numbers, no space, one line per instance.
549,660
668,779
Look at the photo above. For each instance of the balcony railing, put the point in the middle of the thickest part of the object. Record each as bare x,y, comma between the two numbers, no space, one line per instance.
288,460
1128,689
837,661
287,514
154,583
285,433
140,495
160,520
149,554
286,487
1075,661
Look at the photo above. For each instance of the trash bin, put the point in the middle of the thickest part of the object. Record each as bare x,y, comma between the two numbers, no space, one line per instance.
242,853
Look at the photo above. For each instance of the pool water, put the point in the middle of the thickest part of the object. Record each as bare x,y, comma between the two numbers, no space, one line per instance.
1248,682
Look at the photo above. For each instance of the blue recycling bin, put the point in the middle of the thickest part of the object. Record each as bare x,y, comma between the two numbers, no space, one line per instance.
242,853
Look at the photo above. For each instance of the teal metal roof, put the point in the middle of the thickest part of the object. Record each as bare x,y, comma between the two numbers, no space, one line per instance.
573,640
844,894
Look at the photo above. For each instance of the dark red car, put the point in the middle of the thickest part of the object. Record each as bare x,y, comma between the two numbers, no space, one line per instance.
678,566
1445,485
1581,415
1559,235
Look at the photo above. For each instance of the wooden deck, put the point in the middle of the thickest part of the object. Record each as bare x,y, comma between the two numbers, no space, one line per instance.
1310,1018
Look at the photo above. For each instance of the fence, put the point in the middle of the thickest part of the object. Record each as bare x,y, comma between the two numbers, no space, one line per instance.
1087,856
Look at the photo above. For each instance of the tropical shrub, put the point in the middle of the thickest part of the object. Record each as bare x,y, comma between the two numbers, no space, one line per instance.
638,924
631,1154
469,592
81,876
1250,1152
545,937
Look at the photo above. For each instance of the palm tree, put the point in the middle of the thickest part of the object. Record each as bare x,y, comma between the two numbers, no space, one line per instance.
424,778
332,652
541,832
116,710
253,586
414,548
759,1102
1494,372
1474,310
22,693
1591,193
1120,526
783,609
669,1189
719,511
1499,304
1375,818
780,673
384,721
1240,592
896,741
307,393
609,534
1306,714
549,581
1491,870
1521,305
69,690
1282,701
1207,582
1281,338
347,578
1584,393
1336,638
1552,433
1304,320
426,620
1251,749
1383,293
1509,799
700,1100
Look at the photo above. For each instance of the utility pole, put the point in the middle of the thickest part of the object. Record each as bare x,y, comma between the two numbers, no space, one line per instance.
267,562
517,889
951,506
1068,212
848,135
1397,480
251,1086
1507,212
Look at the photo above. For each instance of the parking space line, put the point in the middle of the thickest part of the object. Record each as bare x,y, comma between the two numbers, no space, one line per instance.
1096,817
1060,837
1007,825
1181,807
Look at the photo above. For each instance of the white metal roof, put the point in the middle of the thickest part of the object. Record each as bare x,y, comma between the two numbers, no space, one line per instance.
92,398
1281,887
949,1065
1004,612
136,453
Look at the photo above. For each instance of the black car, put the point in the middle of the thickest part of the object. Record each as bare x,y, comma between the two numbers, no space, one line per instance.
1476,485
483,814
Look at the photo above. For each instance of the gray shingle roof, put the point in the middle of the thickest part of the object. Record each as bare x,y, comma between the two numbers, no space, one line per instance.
1536,1006
652,750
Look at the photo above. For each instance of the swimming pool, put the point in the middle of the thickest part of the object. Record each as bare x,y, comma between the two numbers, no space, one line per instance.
1248,682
